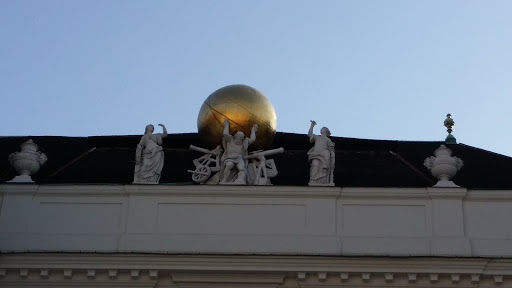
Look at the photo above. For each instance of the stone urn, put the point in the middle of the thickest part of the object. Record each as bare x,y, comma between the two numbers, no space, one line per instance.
443,166
27,162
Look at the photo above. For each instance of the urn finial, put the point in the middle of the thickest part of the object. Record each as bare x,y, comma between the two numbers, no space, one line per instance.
449,123
443,166
27,162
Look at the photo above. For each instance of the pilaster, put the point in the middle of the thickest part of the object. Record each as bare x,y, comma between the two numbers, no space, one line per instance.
448,235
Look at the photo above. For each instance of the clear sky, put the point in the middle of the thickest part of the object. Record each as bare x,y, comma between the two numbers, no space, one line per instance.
365,69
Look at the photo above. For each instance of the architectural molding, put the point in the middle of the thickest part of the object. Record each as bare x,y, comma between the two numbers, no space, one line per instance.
143,270
489,195
244,191
169,189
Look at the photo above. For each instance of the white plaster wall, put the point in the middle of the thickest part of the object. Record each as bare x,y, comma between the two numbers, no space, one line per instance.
488,222
256,220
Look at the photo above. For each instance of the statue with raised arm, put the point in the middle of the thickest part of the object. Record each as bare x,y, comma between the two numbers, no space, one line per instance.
234,165
321,158
149,156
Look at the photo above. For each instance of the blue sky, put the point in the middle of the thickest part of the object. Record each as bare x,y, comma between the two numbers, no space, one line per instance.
365,69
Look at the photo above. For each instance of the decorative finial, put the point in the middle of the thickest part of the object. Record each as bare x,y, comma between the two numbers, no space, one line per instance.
27,162
449,123
443,166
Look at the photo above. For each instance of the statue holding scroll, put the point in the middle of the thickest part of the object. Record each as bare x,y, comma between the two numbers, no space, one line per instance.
234,165
149,156
321,157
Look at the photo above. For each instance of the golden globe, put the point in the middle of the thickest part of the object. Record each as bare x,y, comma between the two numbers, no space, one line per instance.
243,106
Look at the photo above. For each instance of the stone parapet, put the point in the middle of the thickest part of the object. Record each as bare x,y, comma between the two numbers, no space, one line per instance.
275,220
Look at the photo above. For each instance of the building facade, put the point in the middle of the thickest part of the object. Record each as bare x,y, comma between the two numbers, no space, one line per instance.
383,225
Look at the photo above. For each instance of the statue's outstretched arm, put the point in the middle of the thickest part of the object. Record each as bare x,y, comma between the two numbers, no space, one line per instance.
226,128
310,132
164,133
252,138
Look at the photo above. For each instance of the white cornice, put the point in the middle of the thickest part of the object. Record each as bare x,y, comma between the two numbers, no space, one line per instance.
254,263
255,191
489,195
193,190
140,270
383,193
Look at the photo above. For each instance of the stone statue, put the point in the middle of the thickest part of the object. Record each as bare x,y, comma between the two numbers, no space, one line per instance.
206,165
260,170
234,165
149,156
321,157
27,162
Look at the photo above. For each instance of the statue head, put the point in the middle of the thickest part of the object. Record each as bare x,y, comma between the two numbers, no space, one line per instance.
325,132
239,137
149,129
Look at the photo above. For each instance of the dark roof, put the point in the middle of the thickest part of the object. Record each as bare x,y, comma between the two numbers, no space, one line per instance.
359,162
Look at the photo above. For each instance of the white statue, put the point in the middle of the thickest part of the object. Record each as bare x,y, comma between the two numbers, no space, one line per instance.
443,166
234,165
27,162
149,156
206,165
260,170
321,157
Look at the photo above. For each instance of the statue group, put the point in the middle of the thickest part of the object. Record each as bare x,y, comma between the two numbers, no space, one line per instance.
232,163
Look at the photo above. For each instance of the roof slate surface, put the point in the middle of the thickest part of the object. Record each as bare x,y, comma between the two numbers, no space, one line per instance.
359,162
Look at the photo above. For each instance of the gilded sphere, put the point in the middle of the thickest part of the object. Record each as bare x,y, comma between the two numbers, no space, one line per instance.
243,106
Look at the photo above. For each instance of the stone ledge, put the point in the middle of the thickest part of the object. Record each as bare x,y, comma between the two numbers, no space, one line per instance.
242,191
253,263
142,270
